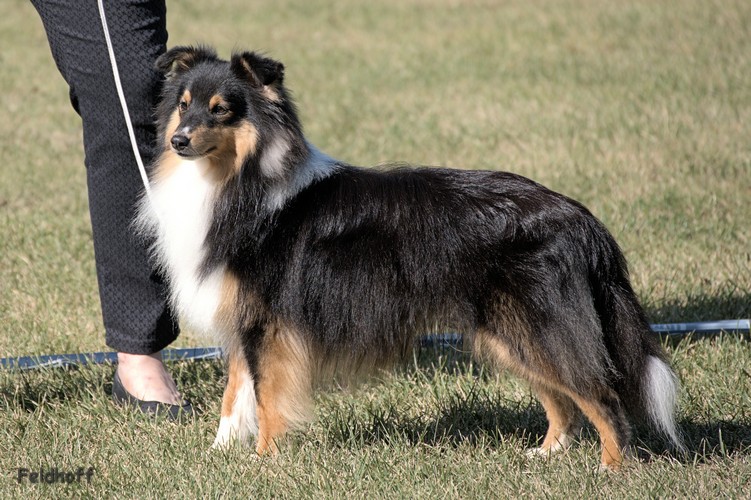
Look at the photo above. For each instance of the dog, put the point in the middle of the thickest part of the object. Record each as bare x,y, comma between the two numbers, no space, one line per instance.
307,268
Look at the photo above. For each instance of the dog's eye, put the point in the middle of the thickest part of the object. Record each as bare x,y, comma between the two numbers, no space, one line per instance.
183,106
220,110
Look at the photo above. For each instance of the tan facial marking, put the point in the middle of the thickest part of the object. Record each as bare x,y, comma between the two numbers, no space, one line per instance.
187,97
232,145
217,100
172,124
246,140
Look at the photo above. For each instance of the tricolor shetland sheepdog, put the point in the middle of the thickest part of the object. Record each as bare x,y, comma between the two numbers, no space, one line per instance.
305,267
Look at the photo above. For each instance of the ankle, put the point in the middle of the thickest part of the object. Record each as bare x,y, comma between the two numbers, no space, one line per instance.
126,359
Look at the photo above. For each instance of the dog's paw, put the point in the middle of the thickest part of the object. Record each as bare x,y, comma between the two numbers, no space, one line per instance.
563,442
228,435
220,443
629,457
537,452
605,468
225,443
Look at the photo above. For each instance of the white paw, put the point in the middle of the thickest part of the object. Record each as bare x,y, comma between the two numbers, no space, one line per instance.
537,452
227,434
219,444
564,442
603,468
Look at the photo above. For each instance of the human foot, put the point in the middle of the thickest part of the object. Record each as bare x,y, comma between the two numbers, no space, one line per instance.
145,377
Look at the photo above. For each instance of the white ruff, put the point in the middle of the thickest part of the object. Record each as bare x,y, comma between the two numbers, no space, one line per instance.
179,215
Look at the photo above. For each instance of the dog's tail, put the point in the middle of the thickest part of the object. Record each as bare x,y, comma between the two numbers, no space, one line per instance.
644,380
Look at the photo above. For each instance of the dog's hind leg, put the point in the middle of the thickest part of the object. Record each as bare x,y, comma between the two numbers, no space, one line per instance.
562,417
599,403
560,409
238,414
607,415
283,386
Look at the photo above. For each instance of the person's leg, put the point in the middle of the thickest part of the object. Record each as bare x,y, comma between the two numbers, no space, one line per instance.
137,319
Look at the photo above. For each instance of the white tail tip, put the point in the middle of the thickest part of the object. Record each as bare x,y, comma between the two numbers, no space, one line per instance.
661,391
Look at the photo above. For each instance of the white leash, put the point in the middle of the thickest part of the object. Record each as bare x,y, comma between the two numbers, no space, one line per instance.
123,103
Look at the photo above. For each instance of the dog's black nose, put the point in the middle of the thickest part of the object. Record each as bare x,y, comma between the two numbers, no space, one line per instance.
180,142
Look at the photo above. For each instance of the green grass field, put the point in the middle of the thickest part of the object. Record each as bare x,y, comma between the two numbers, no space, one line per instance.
641,110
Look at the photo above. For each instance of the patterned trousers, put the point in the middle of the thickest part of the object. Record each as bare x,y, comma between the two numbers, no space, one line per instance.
136,315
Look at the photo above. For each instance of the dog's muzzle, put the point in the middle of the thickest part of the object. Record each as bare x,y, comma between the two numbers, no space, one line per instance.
180,142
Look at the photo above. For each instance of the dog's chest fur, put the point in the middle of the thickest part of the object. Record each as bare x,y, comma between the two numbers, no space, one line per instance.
179,215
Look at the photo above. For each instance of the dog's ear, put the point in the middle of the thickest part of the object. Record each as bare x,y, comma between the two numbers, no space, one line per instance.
177,60
259,70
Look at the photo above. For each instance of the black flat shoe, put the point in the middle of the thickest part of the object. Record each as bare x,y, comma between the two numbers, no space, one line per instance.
122,397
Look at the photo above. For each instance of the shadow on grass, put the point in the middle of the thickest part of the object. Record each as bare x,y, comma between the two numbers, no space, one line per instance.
716,439
485,417
476,417
34,389
480,419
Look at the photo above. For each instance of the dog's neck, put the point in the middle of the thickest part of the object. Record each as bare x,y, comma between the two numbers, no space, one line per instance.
311,167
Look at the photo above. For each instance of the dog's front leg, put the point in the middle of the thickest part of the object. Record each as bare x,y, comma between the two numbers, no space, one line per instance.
238,417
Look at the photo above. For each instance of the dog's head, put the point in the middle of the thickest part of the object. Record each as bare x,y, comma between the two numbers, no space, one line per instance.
223,110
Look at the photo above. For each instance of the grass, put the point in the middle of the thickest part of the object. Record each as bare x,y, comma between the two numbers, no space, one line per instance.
641,110
442,428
